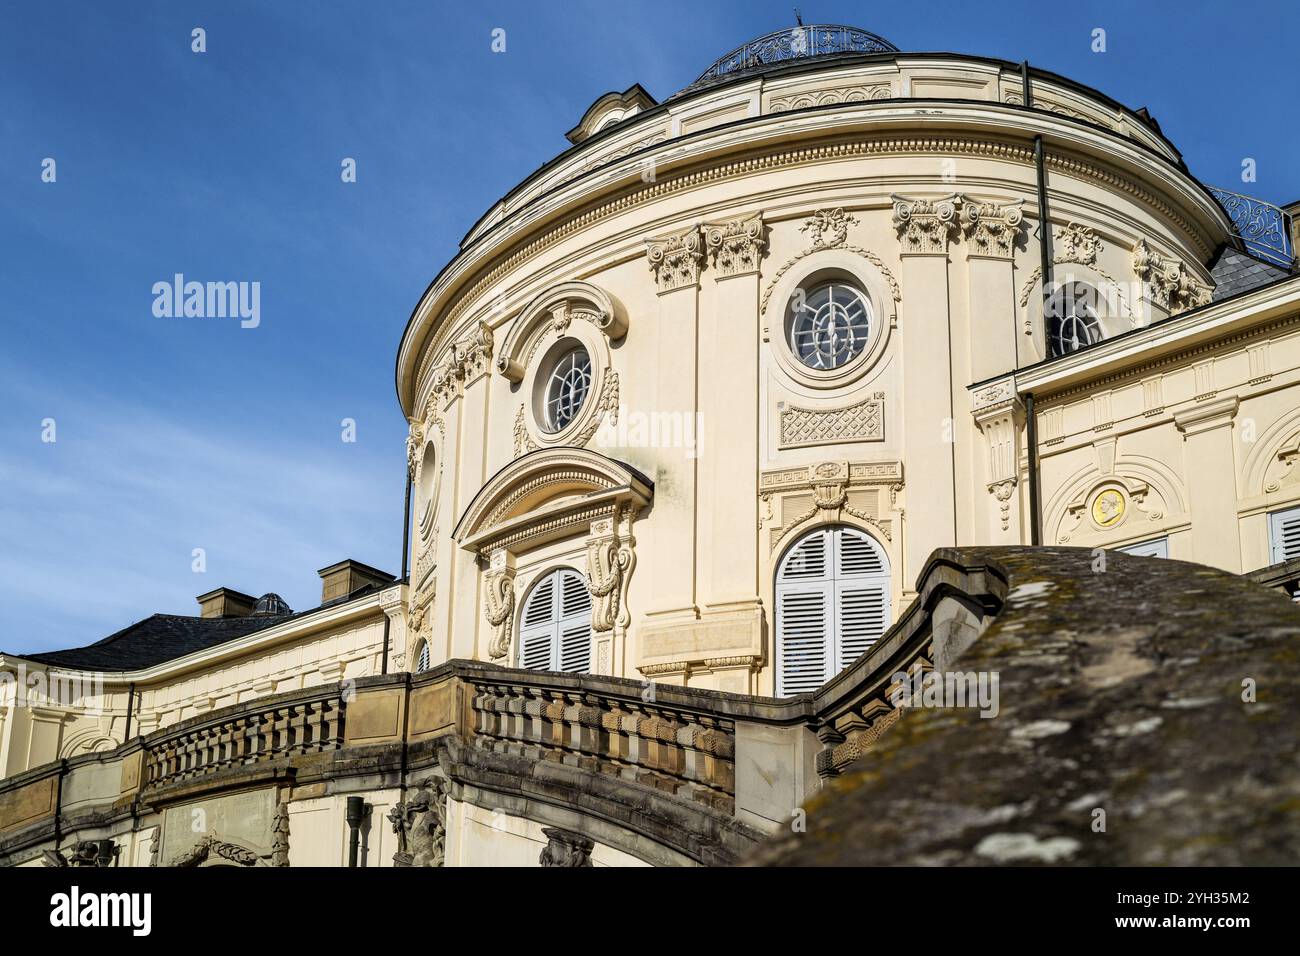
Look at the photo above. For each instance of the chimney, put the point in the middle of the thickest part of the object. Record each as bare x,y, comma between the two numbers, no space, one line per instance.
340,580
225,602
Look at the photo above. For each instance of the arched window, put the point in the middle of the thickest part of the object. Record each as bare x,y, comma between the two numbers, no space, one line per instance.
832,603
1072,318
555,631
422,659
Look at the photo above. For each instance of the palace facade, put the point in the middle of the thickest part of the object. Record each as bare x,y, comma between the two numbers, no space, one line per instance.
691,412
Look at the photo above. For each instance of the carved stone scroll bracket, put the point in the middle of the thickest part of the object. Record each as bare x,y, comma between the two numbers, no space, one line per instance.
1000,416
499,601
610,560
565,848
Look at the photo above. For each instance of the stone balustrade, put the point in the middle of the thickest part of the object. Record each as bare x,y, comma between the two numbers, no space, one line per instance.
688,755
285,726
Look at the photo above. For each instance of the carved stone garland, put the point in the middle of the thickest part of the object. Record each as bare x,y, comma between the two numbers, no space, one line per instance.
829,229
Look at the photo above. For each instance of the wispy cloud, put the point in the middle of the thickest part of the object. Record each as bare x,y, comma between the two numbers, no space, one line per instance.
98,528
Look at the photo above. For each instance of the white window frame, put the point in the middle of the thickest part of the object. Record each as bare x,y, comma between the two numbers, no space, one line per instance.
1152,548
834,588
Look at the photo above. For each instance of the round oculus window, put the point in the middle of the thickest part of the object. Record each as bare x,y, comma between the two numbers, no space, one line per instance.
828,326
567,386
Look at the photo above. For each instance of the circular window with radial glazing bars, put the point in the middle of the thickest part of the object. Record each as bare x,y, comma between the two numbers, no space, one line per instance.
567,382
828,325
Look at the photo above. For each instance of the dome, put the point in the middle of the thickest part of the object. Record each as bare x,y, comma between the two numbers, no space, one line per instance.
793,43
271,605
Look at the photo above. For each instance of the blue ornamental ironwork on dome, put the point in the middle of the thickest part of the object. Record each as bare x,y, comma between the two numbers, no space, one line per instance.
1263,227
794,43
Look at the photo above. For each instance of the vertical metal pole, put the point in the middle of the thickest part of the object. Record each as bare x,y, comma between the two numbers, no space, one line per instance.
1031,439
406,530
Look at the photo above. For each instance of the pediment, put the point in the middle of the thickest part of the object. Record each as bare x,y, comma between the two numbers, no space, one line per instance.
547,494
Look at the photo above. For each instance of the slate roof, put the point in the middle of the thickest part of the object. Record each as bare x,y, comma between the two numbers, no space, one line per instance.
164,637
1236,272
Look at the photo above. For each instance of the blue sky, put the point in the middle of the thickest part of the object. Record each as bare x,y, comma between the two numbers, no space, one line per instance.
183,433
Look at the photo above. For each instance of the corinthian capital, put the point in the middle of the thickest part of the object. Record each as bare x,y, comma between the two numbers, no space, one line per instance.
925,225
735,247
992,228
676,260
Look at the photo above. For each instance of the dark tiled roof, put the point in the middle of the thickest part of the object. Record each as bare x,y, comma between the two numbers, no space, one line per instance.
1236,272
165,637
162,637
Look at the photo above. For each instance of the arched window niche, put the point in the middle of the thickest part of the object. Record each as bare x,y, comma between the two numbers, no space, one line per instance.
551,507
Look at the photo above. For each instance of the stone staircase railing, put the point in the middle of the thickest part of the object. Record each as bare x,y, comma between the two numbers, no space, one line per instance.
287,725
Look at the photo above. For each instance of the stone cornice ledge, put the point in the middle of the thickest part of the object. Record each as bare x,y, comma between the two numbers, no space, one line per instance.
1134,350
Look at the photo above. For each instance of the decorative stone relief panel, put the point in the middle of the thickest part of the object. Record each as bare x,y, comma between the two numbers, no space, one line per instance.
830,489
1106,505
848,94
420,823
862,421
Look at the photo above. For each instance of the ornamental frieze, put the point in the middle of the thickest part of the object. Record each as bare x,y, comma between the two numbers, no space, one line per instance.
832,489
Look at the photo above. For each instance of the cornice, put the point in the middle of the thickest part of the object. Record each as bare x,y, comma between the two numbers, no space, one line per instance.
968,128
1166,343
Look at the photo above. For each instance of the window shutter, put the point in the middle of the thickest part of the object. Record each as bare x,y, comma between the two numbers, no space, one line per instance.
537,630
555,630
1284,534
862,612
803,623
832,604
574,624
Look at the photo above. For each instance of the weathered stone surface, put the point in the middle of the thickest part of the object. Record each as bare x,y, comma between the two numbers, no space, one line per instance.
1120,691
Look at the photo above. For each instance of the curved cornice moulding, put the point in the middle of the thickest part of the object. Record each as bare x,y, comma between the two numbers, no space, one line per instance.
965,127
558,306
546,489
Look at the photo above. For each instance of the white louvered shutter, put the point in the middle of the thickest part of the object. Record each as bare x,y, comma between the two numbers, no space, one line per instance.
832,604
574,624
537,627
803,615
1284,534
555,630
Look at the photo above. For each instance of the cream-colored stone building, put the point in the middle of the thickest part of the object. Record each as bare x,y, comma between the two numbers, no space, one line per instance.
695,402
